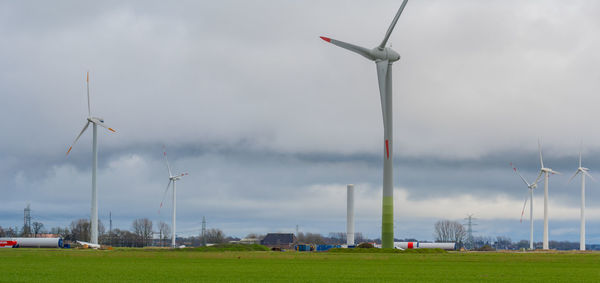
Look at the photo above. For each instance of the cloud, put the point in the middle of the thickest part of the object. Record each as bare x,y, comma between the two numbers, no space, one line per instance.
271,122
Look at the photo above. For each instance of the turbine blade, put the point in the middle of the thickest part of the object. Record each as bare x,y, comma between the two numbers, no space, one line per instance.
105,126
354,48
576,172
78,136
580,149
538,178
182,174
523,210
515,169
167,161
589,175
382,70
87,80
540,149
392,25
555,172
164,195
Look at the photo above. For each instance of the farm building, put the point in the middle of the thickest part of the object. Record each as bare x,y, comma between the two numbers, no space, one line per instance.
279,240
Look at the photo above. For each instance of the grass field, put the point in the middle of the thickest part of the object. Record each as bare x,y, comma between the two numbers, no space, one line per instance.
72,265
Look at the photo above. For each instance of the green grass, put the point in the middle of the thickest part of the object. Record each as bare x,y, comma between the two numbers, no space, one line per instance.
228,248
71,265
386,251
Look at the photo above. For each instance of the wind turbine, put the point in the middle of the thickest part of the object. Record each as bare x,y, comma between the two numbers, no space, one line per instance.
546,172
531,187
172,179
584,172
384,57
95,121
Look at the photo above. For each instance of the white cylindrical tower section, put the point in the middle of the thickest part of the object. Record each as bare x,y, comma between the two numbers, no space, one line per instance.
350,216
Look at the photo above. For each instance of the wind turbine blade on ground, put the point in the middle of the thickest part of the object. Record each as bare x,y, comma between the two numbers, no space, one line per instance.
392,25
354,48
78,136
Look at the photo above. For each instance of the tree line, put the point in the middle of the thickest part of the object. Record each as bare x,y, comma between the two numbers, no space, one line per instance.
141,234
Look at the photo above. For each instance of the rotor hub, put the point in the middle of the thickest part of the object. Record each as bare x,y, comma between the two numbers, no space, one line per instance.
385,54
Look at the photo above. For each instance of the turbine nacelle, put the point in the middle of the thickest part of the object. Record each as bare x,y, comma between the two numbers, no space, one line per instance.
548,170
95,120
384,54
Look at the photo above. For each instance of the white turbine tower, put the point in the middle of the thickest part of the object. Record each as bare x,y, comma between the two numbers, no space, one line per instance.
95,121
384,57
350,215
172,179
546,172
584,172
531,187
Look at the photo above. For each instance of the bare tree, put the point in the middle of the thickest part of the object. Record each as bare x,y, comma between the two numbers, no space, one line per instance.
310,238
503,242
80,230
449,231
142,228
2,233
12,232
61,232
165,232
213,236
37,228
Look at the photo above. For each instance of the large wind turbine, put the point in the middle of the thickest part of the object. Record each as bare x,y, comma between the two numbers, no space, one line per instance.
531,187
384,57
584,172
95,121
546,172
172,179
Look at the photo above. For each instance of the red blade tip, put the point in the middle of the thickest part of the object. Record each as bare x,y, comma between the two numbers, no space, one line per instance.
325,38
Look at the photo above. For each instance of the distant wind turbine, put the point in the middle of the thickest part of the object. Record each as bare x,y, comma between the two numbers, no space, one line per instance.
584,172
531,187
172,179
384,57
546,172
95,121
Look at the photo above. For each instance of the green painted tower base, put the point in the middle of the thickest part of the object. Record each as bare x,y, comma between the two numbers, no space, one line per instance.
387,223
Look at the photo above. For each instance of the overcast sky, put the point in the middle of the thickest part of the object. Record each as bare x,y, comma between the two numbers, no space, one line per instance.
272,123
